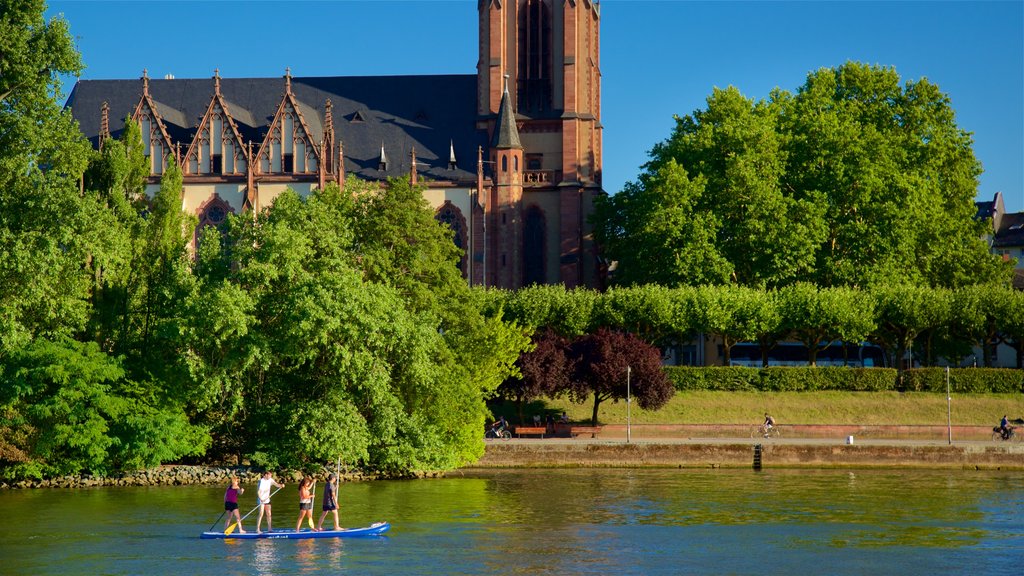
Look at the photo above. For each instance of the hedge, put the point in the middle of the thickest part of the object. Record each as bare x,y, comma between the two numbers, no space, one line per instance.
964,380
812,378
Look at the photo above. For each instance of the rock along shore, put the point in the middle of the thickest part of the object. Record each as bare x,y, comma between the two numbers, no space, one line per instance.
179,475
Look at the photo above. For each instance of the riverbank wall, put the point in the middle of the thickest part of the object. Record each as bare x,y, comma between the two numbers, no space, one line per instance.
767,454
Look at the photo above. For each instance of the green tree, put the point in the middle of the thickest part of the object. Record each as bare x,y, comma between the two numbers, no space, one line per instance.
48,228
817,317
855,180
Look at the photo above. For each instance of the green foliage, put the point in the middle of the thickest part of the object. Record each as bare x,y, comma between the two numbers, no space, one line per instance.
782,379
854,180
964,380
721,378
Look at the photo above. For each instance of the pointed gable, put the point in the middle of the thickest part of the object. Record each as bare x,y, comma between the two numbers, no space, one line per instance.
156,141
291,145
218,147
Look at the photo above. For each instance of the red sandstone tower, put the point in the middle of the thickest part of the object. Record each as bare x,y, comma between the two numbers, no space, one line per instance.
545,138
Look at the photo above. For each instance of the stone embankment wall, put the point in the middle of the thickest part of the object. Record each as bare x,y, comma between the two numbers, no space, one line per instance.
540,454
180,475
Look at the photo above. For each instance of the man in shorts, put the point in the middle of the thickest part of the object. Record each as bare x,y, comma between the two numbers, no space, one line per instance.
263,497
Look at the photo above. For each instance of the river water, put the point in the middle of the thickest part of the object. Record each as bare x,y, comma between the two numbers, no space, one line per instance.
566,522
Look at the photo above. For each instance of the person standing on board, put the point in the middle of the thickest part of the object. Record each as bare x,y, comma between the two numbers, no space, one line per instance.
305,502
263,496
330,502
231,504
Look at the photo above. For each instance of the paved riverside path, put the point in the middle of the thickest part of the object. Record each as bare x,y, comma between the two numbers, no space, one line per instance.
672,451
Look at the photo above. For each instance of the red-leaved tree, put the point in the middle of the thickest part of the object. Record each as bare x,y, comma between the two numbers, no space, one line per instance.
600,362
545,371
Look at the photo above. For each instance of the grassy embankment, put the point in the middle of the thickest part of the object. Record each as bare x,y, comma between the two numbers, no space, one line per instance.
865,408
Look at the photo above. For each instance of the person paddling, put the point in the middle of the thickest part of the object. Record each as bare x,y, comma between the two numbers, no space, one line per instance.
231,504
330,502
263,496
305,502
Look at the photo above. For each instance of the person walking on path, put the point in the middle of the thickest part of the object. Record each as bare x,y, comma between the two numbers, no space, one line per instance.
231,504
263,496
330,502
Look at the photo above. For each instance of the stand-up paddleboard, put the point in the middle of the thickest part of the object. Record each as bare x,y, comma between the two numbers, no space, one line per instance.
375,529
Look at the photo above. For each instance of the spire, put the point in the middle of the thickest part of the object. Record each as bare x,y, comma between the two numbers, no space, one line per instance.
506,135
145,82
104,123
341,163
329,117
288,80
451,155
216,80
382,164
412,170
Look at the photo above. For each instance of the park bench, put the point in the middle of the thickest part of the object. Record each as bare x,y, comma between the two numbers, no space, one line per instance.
531,430
575,431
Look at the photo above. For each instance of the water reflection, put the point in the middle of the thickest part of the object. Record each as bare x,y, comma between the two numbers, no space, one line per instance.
562,522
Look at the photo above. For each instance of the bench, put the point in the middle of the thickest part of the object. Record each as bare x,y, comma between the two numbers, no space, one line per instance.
531,430
575,431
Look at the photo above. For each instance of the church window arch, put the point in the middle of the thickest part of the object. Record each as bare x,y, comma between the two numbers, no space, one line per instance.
534,246
450,215
214,212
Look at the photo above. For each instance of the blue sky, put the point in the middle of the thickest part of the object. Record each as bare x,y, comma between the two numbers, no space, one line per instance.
659,58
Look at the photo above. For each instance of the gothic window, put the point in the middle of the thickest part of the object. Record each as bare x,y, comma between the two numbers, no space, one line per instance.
535,42
217,164
213,212
449,214
534,244
289,164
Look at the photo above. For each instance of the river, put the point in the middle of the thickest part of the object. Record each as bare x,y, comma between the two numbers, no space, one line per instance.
558,521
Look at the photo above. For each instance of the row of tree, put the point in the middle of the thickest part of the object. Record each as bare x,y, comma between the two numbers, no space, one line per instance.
929,323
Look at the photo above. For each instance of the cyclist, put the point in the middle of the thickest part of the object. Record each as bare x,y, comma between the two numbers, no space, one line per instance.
1004,428
769,423
499,426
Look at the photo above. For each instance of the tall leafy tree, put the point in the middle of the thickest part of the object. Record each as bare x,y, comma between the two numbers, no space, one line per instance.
47,227
855,179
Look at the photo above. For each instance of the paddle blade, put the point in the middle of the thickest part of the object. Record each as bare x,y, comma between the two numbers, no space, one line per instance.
231,528
310,518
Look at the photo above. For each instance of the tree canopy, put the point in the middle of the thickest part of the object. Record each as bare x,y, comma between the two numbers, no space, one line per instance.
854,180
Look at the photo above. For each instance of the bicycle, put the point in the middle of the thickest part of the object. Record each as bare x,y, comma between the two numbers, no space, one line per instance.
763,431
1011,435
502,433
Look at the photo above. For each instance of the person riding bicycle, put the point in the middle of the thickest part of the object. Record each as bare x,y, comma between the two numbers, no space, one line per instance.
499,426
1005,428
769,422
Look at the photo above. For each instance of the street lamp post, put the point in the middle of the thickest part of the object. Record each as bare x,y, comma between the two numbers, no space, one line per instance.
628,400
949,409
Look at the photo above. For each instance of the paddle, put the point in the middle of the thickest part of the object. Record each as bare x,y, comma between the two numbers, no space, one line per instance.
235,524
312,500
217,521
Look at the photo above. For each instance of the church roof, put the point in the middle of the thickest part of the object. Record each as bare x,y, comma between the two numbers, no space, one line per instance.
428,113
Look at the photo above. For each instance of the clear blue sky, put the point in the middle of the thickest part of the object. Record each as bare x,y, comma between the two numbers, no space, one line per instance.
658,58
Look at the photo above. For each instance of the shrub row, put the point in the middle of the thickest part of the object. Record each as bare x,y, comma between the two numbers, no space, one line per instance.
811,378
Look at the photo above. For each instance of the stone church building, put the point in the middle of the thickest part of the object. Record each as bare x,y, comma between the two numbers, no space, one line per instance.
510,157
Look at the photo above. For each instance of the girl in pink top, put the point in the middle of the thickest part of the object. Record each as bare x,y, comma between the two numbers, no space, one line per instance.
231,504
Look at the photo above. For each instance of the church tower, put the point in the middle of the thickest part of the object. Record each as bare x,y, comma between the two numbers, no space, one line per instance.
549,50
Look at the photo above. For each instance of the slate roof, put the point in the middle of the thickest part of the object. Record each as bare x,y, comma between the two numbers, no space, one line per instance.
400,112
1010,232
